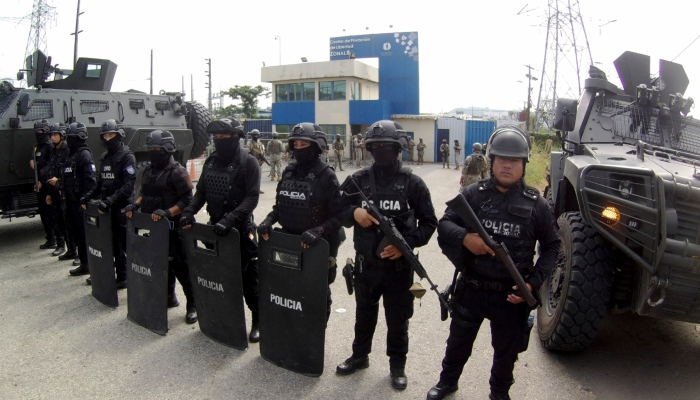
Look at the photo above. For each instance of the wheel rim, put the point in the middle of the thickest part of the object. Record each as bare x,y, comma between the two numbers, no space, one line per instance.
556,284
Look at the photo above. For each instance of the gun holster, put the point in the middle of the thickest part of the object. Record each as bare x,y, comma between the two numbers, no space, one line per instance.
348,271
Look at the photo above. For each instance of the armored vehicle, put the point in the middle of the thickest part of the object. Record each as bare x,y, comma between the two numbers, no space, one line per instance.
84,95
626,191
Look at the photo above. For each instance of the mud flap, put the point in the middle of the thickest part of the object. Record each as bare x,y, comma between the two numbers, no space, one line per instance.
98,240
215,272
147,271
293,289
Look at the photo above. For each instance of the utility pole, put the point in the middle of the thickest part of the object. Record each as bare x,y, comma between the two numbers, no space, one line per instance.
75,33
279,41
191,87
530,78
151,78
208,73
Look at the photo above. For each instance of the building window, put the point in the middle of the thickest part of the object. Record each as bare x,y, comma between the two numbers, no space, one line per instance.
355,91
332,131
332,90
294,92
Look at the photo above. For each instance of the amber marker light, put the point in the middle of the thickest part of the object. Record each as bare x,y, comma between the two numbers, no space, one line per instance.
611,214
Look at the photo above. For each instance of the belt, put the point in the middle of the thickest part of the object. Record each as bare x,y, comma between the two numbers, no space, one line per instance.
478,283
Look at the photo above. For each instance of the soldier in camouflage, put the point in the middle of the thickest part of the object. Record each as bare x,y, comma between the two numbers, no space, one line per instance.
475,168
458,151
411,150
445,153
255,147
339,148
421,150
274,149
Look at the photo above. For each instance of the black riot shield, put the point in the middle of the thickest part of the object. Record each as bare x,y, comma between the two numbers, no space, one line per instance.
98,240
293,284
147,271
215,272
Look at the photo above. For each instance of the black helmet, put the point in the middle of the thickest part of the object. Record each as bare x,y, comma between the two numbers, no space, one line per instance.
386,131
59,128
161,139
456,141
255,132
78,130
274,135
476,147
225,125
509,141
111,126
43,125
308,131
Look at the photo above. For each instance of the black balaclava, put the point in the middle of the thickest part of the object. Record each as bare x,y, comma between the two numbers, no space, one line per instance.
75,143
255,138
307,156
113,144
42,138
226,148
159,159
385,157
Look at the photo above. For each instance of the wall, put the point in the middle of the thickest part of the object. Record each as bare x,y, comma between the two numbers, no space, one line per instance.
421,128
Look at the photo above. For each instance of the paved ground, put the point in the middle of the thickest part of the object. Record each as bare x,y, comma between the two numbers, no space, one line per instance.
58,342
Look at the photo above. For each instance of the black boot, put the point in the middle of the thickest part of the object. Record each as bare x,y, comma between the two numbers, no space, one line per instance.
351,365
59,250
191,316
399,380
172,300
499,396
81,270
69,255
50,244
442,389
121,284
254,335
76,261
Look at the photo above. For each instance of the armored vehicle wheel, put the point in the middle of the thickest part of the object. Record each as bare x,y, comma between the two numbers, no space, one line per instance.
576,294
197,121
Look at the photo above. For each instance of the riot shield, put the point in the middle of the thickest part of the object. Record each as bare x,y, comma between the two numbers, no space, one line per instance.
98,241
147,271
293,284
215,272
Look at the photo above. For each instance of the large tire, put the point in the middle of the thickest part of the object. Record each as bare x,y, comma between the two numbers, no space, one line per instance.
197,121
575,296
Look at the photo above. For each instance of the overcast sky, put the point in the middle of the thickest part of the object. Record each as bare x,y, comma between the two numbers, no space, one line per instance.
471,53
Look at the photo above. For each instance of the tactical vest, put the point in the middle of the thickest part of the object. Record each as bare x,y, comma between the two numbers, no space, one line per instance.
475,164
392,201
111,172
508,222
299,209
274,147
158,190
69,176
222,195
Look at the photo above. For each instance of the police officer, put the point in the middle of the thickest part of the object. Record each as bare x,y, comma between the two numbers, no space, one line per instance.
274,148
255,147
76,180
475,168
165,190
115,185
231,205
421,150
380,269
445,153
516,215
59,154
339,149
315,218
458,151
42,154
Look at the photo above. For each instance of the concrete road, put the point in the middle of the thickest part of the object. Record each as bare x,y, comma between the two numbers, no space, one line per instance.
58,342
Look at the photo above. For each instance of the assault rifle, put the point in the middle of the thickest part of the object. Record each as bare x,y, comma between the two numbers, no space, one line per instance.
36,171
460,206
261,158
394,237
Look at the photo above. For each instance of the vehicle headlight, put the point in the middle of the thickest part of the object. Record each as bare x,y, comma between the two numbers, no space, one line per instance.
611,215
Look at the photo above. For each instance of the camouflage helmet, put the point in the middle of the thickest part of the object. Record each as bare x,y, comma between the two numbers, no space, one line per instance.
477,146
162,140
274,135
59,128
308,131
111,126
386,131
444,140
43,125
77,129
509,141
255,132
225,125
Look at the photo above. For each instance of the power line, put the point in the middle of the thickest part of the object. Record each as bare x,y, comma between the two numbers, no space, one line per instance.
686,48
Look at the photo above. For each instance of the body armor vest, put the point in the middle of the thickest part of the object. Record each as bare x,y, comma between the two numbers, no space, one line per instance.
111,173
158,190
274,147
475,164
299,209
392,201
507,220
69,176
222,195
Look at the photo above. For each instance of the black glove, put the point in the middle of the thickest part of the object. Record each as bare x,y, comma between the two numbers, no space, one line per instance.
223,227
84,200
312,236
187,219
264,228
131,207
162,213
105,205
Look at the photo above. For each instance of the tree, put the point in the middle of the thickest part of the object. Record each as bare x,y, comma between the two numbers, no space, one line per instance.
248,95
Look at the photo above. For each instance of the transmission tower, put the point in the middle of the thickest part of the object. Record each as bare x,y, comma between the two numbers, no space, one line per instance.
567,57
42,13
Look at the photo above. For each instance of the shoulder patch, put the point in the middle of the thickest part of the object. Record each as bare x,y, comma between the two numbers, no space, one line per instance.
130,170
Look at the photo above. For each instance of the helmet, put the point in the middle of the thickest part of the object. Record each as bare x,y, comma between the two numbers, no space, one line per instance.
43,124
509,141
255,132
225,125
311,132
77,129
274,135
476,147
59,128
456,141
444,140
111,126
161,139
386,131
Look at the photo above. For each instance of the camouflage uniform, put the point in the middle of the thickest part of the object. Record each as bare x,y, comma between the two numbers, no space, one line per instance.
357,143
274,148
421,151
458,150
339,148
445,152
475,169
255,147
411,148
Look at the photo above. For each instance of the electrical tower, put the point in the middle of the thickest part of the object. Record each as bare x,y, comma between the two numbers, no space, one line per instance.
41,14
567,57
208,72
